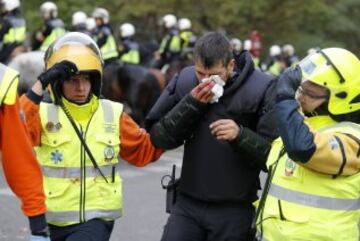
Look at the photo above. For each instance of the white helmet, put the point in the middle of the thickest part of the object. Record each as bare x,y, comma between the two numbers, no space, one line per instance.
184,23
101,13
78,17
288,49
90,24
127,30
275,50
48,10
247,44
235,44
9,5
169,20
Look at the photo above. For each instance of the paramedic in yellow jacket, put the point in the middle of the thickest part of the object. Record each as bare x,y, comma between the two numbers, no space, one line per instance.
314,191
82,182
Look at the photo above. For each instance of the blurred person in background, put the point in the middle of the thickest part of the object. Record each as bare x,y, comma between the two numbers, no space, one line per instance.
170,46
187,38
12,30
78,22
274,63
289,56
53,26
104,35
129,48
236,45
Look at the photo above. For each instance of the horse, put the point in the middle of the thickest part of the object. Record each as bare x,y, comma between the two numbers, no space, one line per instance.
137,87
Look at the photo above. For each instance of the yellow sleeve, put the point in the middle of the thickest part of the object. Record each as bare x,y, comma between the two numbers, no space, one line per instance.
336,154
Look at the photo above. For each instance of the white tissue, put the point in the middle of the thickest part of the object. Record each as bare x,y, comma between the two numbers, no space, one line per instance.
218,88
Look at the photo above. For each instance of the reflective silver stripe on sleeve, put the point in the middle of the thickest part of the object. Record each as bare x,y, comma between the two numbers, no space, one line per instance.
73,216
2,72
52,113
75,172
314,200
107,111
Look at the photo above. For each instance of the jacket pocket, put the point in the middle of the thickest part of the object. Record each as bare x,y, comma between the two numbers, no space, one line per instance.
110,149
55,150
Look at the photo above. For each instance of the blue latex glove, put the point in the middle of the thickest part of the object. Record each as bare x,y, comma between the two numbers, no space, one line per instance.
39,238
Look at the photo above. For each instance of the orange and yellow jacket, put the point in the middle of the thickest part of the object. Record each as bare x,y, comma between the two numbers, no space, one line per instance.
135,144
20,166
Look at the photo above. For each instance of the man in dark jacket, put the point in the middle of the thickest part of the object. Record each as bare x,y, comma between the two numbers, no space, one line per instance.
223,134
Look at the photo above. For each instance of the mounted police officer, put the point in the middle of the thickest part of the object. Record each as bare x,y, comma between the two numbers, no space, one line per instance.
12,30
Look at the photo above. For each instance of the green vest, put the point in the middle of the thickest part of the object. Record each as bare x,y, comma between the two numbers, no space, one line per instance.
307,205
75,191
9,79
275,68
55,33
185,36
109,49
132,57
17,33
174,45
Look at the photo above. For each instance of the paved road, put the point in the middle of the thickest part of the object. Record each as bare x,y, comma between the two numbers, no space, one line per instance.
144,204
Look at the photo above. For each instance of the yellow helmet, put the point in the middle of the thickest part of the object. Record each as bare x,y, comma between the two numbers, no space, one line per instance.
338,70
80,49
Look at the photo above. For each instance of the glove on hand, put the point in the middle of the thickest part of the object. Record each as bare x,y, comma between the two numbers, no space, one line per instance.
59,72
39,238
288,83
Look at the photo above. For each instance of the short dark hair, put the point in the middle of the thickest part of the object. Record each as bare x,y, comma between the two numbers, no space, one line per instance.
212,48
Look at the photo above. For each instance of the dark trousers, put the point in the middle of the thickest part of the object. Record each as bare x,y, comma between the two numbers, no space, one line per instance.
194,220
92,230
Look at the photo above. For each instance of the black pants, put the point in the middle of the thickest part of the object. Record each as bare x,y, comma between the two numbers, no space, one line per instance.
194,220
92,230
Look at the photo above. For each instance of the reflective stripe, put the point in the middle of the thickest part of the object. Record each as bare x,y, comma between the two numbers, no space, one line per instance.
2,72
108,111
75,172
314,200
52,113
73,216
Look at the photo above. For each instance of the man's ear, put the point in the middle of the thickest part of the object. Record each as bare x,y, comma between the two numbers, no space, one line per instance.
231,65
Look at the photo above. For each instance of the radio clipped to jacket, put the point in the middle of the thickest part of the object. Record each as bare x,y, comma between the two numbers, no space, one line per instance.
170,183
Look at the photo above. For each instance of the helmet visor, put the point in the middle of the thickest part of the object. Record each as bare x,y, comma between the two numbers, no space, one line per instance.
318,69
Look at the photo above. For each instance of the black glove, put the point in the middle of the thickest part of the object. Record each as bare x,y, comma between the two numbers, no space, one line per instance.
288,83
58,72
